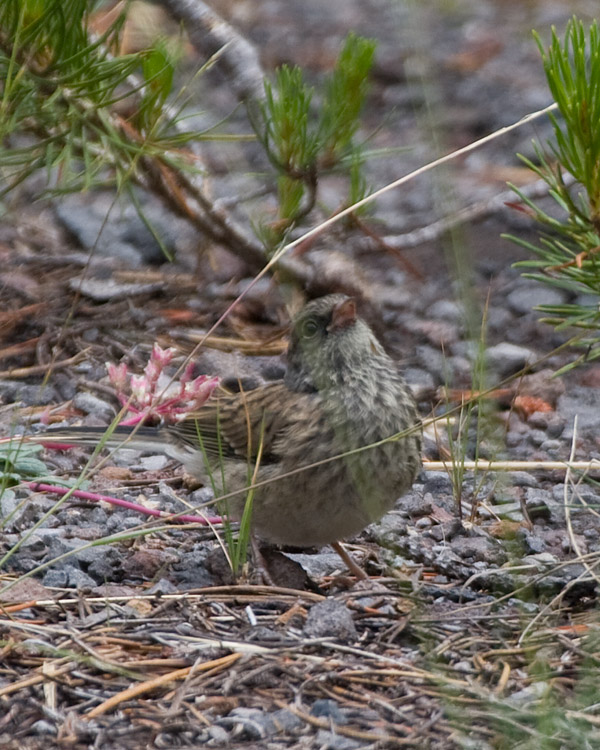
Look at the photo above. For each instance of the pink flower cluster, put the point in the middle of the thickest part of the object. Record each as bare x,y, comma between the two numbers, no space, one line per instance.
147,401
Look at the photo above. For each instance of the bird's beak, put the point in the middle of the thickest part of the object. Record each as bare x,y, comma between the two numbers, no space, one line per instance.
343,315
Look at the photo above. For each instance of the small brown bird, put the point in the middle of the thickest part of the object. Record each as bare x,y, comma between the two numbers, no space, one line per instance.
341,393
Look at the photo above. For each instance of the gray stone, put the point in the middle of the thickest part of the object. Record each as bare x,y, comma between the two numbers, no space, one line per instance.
539,503
558,495
532,692
125,236
436,482
522,479
583,403
458,368
580,544
327,740
534,544
164,586
432,360
505,358
578,496
387,531
104,566
419,380
89,555
9,390
97,515
525,297
539,419
125,457
8,503
556,426
446,531
322,564
251,723
514,438
500,581
537,437
579,582
511,511
56,578
479,549
217,735
91,335
96,407
287,721
31,395
327,708
330,619
587,300
498,318
79,580
553,447
154,463
272,369
60,545
416,504
23,563
201,496
192,571
43,727
121,522
37,544
445,309
541,560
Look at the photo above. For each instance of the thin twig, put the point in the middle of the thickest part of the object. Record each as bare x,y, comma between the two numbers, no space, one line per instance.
25,372
591,466
149,685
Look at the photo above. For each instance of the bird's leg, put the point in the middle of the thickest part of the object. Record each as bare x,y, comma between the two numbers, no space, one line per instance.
350,562
260,562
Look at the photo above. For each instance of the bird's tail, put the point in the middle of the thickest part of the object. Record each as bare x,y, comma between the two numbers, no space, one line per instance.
140,438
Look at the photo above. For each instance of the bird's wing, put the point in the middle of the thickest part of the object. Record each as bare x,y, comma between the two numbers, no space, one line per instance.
237,425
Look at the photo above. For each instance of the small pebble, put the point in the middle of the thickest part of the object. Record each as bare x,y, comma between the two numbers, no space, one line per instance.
43,727
525,297
94,406
505,359
537,437
445,309
523,479
541,560
327,708
330,619
552,447
218,735
154,463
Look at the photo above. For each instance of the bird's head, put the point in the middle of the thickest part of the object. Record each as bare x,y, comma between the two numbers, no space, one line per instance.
328,342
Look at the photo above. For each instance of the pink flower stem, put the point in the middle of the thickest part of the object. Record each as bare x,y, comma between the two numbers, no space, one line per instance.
83,495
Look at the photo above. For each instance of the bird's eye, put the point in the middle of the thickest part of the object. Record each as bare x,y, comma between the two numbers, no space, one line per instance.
309,329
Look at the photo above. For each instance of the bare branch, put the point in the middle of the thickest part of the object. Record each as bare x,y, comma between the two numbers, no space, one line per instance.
212,35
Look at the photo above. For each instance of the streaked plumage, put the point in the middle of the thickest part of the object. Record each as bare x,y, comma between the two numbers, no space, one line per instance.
341,392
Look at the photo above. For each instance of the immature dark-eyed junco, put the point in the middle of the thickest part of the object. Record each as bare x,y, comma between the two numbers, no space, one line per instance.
341,393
